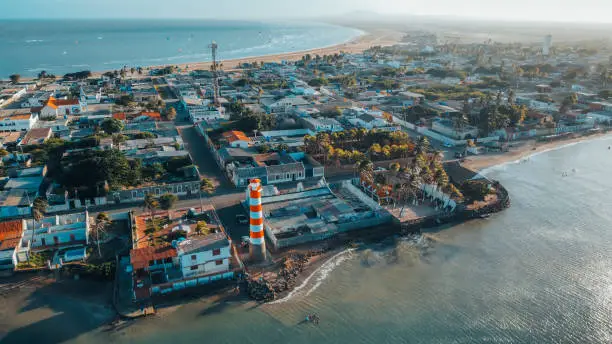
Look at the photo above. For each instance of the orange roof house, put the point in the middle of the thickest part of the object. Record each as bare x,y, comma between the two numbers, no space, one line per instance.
153,115
52,102
236,138
120,116
10,234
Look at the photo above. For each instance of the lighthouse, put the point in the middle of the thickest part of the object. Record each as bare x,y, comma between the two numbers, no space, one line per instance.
257,249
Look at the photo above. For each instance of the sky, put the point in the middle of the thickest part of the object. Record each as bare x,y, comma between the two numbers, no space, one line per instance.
530,10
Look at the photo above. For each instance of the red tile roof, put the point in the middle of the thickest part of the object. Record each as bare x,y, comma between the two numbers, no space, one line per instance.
155,115
66,102
10,234
140,257
235,135
120,116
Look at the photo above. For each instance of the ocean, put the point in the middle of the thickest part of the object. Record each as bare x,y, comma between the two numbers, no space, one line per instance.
539,272
62,46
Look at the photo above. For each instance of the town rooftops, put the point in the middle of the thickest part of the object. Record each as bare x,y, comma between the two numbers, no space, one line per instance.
18,117
10,234
15,198
26,183
203,243
251,172
36,136
153,115
140,257
235,135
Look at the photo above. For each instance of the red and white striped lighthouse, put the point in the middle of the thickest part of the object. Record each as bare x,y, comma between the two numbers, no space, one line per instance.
257,249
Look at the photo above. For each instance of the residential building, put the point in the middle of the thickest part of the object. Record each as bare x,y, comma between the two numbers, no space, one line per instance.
53,233
18,122
191,249
321,124
10,234
54,108
236,139
283,105
36,136
446,128
90,95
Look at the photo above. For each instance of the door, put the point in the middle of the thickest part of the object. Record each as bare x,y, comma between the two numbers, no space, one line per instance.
55,240
72,238
44,242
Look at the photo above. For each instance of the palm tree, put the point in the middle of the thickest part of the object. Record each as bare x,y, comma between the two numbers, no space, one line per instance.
366,171
207,187
39,207
102,222
150,203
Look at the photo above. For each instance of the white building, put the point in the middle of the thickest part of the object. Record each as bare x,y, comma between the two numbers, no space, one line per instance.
322,124
52,233
205,255
18,122
61,107
283,105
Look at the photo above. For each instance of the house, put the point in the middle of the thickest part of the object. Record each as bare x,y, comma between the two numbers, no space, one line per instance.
10,234
156,116
543,88
283,105
410,99
36,136
18,122
181,254
15,203
236,139
37,99
368,121
53,233
54,108
90,95
445,127
321,124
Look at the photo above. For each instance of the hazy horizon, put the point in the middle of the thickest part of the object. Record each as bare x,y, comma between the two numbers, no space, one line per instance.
587,11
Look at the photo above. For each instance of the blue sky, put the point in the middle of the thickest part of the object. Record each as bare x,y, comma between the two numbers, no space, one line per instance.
534,10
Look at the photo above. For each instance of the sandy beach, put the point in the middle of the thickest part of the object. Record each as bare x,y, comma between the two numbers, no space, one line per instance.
521,150
381,37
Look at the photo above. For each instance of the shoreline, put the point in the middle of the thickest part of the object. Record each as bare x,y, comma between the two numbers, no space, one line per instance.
354,45
357,44
524,150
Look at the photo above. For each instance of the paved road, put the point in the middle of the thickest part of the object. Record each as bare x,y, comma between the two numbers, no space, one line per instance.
204,159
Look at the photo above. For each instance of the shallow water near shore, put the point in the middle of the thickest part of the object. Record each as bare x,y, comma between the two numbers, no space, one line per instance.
59,47
539,272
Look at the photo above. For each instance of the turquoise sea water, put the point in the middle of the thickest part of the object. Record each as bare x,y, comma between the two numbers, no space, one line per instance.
60,46
539,272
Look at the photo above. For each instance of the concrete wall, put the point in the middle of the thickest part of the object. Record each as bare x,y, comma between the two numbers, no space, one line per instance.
348,185
205,262
295,195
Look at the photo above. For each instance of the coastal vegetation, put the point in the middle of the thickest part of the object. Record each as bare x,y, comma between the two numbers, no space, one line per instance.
355,145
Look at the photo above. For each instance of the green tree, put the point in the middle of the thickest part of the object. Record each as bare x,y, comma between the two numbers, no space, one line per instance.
366,171
111,126
15,78
207,186
167,201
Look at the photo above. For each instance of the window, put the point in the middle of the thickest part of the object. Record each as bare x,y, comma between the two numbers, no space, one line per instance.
219,262
134,194
55,240
216,252
157,191
193,257
168,260
193,267
72,238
